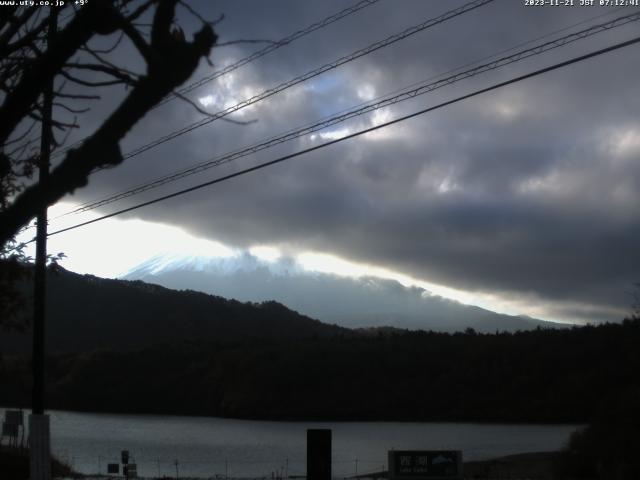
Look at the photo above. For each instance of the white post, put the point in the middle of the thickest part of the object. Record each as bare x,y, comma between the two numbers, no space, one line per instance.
40,448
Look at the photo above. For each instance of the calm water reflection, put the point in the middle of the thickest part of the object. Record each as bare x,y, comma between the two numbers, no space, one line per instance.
206,447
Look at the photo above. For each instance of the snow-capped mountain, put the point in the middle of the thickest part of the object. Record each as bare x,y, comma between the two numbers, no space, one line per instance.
346,301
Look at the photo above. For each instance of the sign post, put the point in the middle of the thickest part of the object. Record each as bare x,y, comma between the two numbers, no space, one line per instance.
425,465
39,428
318,454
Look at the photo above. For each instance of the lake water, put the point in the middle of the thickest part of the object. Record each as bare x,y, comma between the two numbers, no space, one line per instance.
209,447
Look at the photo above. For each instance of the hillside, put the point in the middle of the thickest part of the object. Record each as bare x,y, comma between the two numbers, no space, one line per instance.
128,346
85,312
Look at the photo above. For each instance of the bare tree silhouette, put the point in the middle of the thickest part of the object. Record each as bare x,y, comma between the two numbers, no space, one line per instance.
80,61
28,64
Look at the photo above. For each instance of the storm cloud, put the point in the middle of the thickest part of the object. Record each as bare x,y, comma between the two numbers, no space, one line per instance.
529,193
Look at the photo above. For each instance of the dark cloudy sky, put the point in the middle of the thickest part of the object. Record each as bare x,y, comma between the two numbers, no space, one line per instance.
529,194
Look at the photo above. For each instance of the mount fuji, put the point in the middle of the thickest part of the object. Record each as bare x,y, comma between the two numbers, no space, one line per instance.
353,302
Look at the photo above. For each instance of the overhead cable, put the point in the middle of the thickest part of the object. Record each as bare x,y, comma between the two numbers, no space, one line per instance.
309,75
496,86
367,108
256,55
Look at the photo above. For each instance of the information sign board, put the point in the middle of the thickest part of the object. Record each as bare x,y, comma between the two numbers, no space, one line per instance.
425,464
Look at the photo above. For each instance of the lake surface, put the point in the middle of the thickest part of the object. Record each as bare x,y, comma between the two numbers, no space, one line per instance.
209,447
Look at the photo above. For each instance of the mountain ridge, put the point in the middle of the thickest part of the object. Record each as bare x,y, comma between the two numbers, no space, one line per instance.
85,312
360,302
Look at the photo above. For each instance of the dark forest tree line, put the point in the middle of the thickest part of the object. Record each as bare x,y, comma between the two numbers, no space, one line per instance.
536,376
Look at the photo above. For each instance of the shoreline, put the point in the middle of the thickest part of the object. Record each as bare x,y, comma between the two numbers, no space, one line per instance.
538,465
310,419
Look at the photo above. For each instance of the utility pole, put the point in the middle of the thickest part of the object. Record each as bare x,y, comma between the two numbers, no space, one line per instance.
39,432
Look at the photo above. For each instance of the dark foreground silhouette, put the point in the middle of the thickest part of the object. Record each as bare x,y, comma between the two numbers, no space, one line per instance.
224,358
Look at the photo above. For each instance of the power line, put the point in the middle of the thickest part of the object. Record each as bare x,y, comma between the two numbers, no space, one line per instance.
270,48
520,78
367,108
311,74
214,162
256,55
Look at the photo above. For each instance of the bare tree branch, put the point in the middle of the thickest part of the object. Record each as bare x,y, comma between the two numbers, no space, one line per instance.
21,137
77,96
124,77
139,42
57,143
211,23
6,15
89,83
107,63
170,63
140,10
70,109
204,112
94,17
107,50
15,24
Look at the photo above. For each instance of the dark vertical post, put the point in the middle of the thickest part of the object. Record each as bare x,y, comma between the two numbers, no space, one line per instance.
39,290
318,454
39,433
